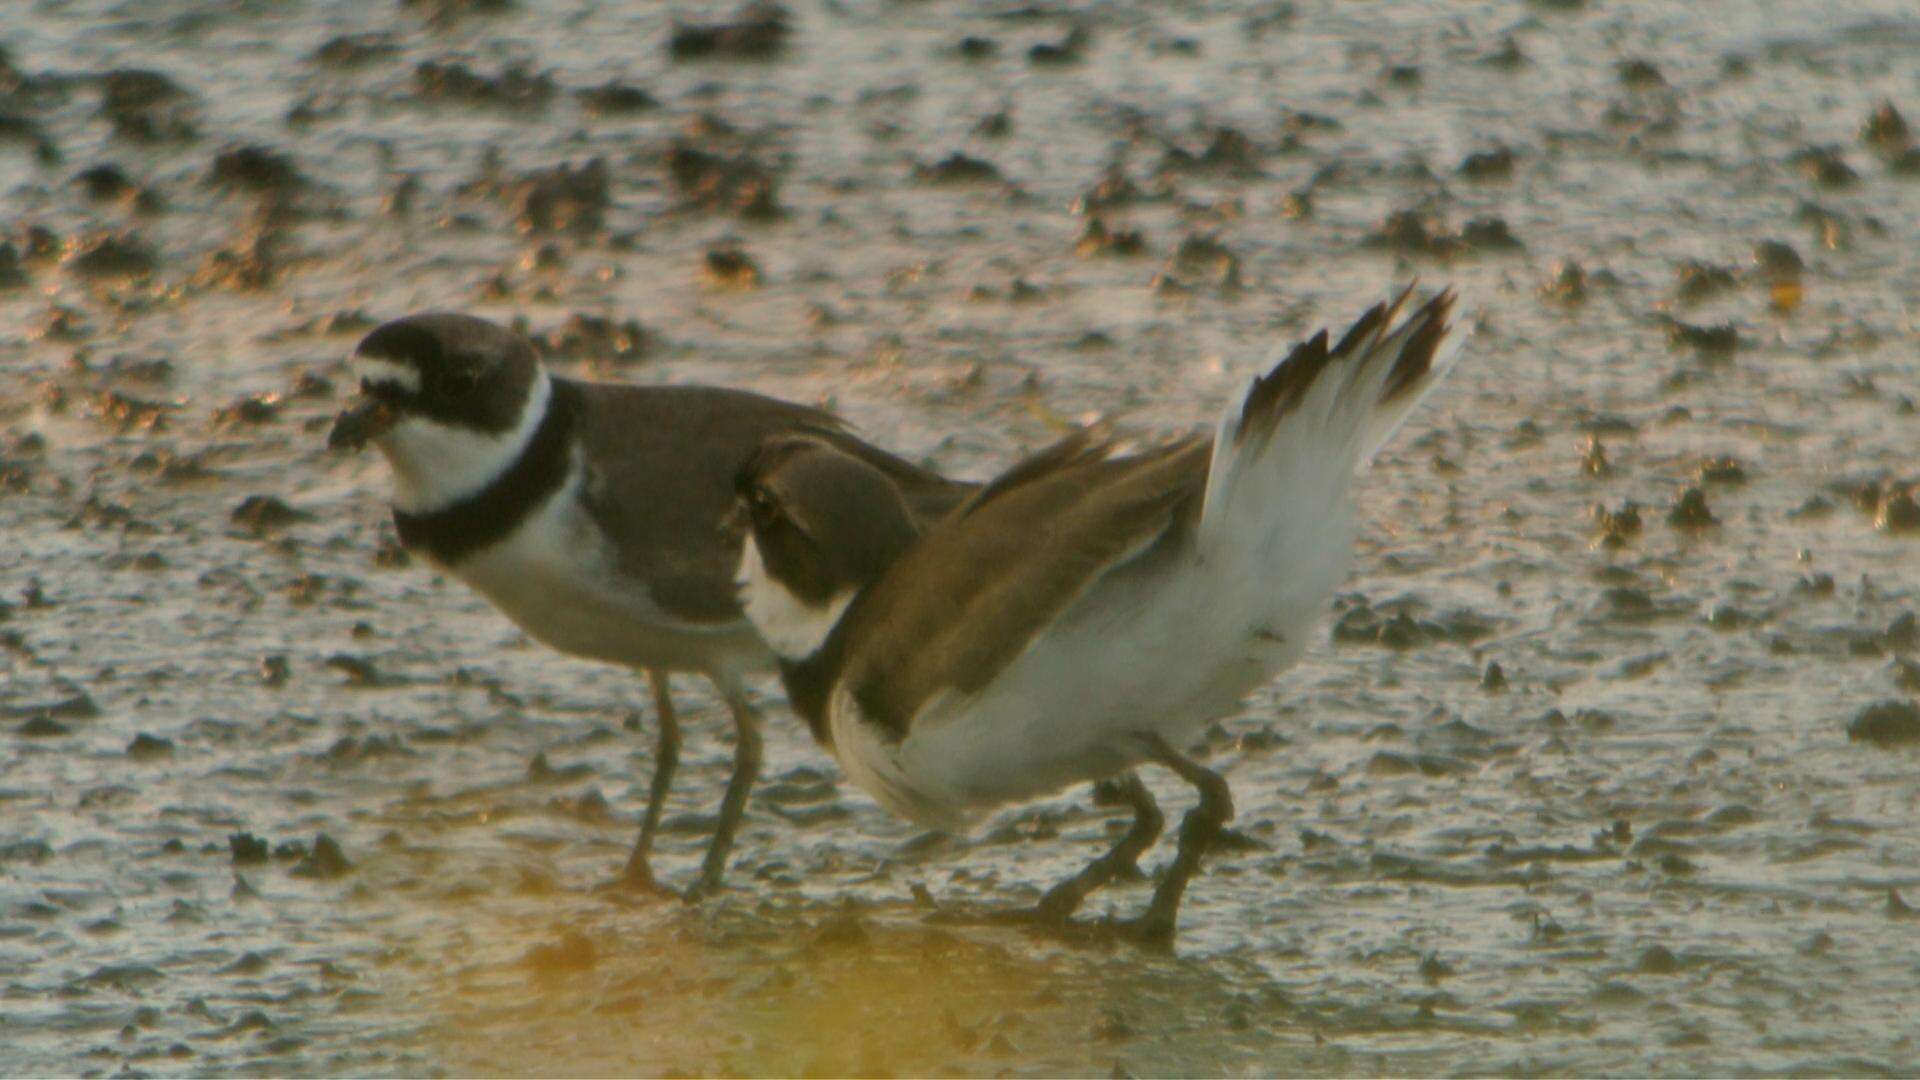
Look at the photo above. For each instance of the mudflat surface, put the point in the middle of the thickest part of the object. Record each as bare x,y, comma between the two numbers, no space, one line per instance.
1647,844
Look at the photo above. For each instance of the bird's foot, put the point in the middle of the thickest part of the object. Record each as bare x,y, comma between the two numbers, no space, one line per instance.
634,883
1152,931
708,887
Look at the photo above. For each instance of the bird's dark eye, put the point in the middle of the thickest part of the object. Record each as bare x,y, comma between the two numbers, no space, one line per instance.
366,386
459,382
762,505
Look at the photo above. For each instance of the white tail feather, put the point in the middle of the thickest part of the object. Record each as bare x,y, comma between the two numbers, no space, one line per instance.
1306,461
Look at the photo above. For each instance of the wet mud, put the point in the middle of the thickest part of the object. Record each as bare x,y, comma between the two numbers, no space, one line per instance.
1606,763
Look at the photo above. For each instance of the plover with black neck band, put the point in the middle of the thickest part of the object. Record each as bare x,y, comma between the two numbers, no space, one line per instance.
1089,611
589,514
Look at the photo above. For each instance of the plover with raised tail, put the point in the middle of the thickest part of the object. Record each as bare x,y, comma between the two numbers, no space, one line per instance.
1091,609
589,514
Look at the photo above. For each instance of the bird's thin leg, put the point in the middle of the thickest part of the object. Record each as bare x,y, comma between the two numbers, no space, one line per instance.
638,873
733,805
1064,899
1198,830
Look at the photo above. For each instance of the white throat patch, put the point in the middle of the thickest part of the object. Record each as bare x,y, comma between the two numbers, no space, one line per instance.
436,465
791,627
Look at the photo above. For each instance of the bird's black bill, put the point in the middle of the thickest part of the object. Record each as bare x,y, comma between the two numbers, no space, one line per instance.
363,422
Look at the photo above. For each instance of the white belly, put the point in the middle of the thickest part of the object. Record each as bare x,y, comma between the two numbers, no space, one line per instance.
1163,657
555,579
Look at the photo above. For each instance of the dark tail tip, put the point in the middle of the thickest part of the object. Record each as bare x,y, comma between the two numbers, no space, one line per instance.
1279,391
1416,357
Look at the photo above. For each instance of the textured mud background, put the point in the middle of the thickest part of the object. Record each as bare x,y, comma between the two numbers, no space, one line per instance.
1592,775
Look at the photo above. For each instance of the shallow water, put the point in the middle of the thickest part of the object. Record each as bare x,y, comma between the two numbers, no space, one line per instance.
1653,849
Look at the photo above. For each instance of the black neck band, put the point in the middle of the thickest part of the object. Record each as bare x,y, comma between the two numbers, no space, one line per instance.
489,515
807,683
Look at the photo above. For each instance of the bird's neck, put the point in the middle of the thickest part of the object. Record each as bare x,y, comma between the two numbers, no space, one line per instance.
486,515
437,465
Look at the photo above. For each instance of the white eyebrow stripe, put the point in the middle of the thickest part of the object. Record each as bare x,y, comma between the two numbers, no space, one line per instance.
373,369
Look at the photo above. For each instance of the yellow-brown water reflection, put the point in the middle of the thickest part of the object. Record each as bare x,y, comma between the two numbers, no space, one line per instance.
590,988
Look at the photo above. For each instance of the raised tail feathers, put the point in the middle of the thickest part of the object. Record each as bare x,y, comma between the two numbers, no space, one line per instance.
1327,407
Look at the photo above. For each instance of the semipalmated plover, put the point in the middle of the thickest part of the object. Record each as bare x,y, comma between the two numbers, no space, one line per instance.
1089,610
589,513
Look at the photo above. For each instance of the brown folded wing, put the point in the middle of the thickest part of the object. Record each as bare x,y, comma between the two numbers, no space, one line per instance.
976,590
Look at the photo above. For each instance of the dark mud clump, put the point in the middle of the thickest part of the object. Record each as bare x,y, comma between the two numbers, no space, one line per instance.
145,747
111,255
1637,74
263,514
1412,232
18,128
1199,262
995,125
1885,130
1617,527
975,47
597,338
1113,191
1826,167
1069,49
1690,510
1417,232
958,168
1723,470
253,259
324,861
147,106
1505,57
1396,627
1898,512
355,50
1696,281
360,672
127,413
1229,152
1657,960
737,185
756,32
1887,724
1710,343
616,98
1778,263
1566,283
563,198
247,849
1098,239
256,170
1490,234
1494,164
730,267
13,270
248,411
517,87
109,183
